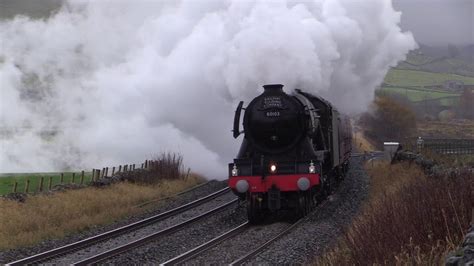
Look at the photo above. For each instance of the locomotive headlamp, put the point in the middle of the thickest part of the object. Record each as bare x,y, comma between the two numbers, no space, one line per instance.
273,168
312,168
235,171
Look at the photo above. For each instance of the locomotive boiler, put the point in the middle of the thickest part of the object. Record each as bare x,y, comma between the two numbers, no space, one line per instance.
294,151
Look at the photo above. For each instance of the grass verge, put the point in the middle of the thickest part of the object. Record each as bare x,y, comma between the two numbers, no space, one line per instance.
55,216
361,143
408,219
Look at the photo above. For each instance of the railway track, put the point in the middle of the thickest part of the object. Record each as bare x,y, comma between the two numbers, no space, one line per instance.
256,251
233,233
228,236
206,246
275,240
88,242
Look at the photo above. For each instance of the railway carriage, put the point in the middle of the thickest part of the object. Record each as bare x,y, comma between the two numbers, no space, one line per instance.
295,149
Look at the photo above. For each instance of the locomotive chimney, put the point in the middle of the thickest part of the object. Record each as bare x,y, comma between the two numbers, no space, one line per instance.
273,87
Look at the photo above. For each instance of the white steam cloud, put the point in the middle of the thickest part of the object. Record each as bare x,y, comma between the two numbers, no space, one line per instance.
111,82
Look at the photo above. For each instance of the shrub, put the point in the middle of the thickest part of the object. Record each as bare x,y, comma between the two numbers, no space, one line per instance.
466,104
409,218
422,213
388,120
166,166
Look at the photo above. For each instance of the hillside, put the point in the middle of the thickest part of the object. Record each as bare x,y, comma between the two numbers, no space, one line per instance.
448,59
405,77
421,79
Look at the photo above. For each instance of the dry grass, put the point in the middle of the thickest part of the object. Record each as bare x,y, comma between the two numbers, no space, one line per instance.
449,160
54,216
361,143
452,129
410,255
389,178
408,219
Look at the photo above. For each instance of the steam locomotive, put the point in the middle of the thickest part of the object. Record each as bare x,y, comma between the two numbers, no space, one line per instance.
295,149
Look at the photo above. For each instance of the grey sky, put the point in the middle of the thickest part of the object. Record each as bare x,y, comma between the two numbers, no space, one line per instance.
438,22
433,22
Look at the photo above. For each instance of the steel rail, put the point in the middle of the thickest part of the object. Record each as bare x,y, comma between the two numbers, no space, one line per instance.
134,244
193,188
175,195
260,248
206,246
116,232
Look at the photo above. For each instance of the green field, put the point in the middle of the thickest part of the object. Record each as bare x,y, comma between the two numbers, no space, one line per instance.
7,181
439,64
419,94
404,77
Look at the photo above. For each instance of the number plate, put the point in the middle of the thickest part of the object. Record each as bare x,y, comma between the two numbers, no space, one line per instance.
272,114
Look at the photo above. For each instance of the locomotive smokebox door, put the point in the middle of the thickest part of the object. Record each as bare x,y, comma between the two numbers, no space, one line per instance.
274,199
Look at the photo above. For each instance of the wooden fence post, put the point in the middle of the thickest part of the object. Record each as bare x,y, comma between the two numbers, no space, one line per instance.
187,174
15,186
142,165
41,184
133,167
50,183
106,171
103,172
62,178
146,164
125,168
113,171
73,177
120,168
27,186
98,173
82,177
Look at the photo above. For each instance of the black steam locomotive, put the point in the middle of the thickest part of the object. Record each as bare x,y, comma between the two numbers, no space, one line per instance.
295,149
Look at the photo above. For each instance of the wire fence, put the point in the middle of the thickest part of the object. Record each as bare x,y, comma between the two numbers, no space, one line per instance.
446,146
48,181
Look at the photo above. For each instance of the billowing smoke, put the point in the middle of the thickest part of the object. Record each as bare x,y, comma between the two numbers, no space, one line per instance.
111,82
